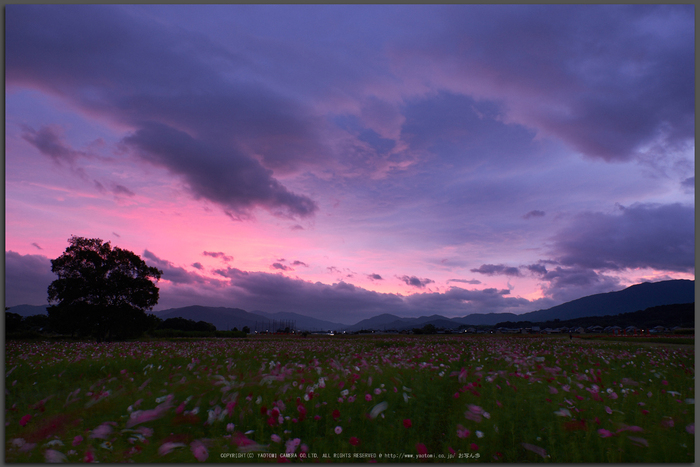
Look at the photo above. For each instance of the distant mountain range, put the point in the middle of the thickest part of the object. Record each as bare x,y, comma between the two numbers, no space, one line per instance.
634,298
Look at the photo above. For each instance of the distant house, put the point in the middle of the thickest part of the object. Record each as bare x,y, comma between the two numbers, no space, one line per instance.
594,329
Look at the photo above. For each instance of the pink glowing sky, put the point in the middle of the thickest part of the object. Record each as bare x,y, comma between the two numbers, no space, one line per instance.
345,161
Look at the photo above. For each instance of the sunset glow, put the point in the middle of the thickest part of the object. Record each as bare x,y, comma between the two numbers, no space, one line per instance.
342,161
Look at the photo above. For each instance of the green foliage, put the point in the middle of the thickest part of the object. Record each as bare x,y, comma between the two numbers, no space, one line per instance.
101,291
183,324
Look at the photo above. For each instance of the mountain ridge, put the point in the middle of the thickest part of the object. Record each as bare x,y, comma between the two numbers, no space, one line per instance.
630,299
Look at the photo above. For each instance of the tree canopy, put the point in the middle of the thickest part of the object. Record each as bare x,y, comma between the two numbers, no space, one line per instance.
101,291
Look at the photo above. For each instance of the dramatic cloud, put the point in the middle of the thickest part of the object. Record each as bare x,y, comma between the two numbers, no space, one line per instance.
496,270
534,213
220,174
414,281
184,112
171,272
640,236
608,80
27,279
374,277
198,266
218,254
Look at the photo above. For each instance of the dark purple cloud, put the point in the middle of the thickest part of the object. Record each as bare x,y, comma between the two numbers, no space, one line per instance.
198,266
640,236
534,213
220,174
171,272
49,142
35,245
374,277
300,263
465,281
497,270
122,190
218,254
27,278
607,79
564,284
414,281
281,267
539,269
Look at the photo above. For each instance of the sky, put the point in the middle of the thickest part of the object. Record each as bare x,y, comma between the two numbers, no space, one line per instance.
342,161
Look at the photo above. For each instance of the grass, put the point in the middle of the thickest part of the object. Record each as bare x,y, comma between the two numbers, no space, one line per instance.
501,398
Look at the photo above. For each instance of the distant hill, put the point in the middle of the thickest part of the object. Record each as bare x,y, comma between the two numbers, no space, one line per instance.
633,298
228,318
223,318
302,322
29,310
682,315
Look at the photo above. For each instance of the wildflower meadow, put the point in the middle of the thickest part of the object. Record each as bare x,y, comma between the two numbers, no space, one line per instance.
404,399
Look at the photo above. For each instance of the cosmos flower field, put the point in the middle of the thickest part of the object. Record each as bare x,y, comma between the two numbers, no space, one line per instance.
356,399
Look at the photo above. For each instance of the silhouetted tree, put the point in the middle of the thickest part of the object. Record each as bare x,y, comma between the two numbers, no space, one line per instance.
101,291
246,329
13,322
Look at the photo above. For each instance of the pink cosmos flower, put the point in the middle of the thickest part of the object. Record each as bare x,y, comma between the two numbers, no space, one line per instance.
338,430
230,427
292,445
638,441
407,423
101,432
368,397
23,421
354,441
474,447
199,450
605,433
608,409
536,449
690,428
462,432
89,456
54,457
420,447
276,438
166,448
77,440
